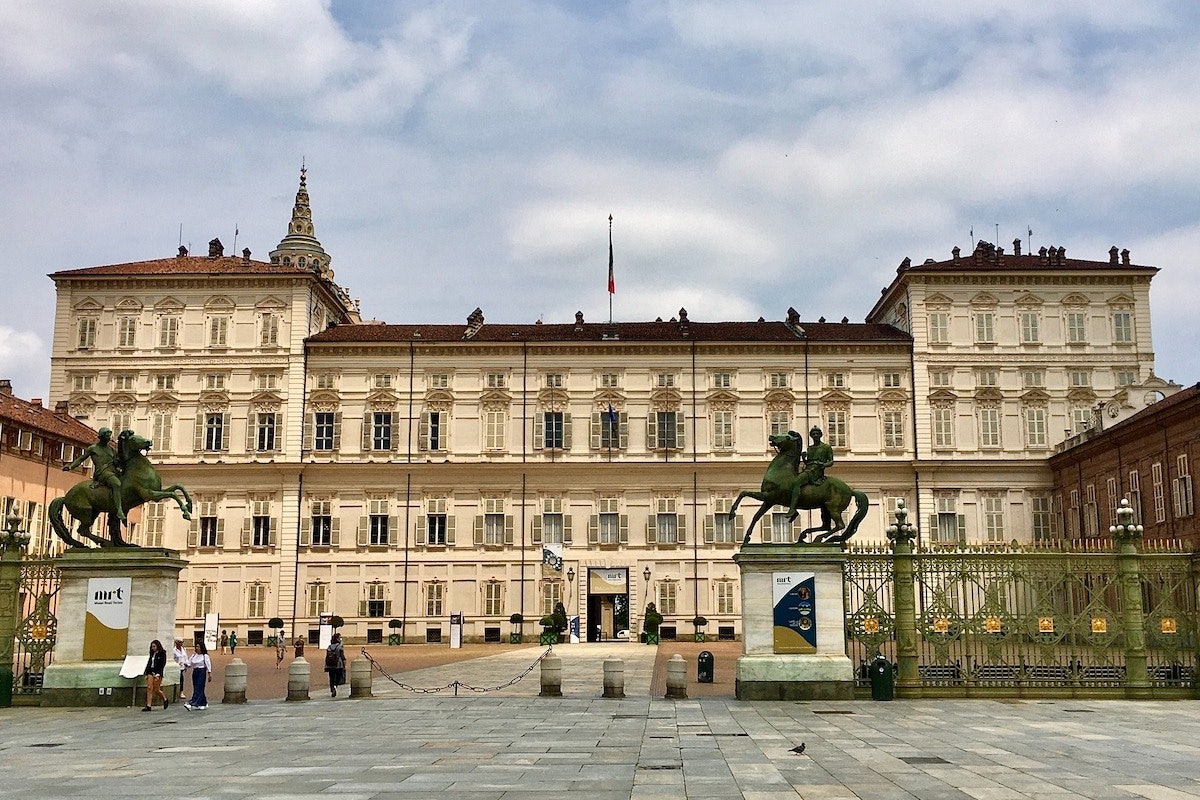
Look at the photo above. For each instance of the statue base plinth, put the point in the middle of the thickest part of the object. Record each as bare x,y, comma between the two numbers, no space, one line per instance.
72,679
773,621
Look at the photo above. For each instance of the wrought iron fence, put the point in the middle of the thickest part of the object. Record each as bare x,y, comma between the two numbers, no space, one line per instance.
37,627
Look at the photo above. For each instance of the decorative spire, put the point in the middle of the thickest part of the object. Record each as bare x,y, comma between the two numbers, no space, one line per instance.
300,248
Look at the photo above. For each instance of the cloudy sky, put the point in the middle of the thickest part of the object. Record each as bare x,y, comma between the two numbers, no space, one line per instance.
754,155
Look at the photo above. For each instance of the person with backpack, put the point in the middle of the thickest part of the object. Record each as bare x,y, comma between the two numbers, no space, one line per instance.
335,664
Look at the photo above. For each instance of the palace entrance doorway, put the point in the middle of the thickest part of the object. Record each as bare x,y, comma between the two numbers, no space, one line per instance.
607,603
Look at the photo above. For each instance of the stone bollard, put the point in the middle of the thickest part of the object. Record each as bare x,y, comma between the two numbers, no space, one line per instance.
614,678
677,678
298,673
360,678
235,682
551,676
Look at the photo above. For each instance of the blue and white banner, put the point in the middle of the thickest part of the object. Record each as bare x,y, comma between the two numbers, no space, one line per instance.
552,556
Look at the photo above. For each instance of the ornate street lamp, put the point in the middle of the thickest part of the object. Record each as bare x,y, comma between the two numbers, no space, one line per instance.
1125,530
901,530
14,538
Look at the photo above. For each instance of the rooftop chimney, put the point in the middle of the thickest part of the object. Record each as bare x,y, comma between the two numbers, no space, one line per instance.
683,315
474,323
5,386
245,255
61,408
793,316
36,402
1125,256
1112,254
216,249
578,320
182,251
955,252
1016,247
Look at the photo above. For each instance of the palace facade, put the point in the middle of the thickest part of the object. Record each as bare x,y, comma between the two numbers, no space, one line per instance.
406,472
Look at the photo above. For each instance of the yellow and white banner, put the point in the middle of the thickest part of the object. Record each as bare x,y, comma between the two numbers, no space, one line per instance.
106,624
608,581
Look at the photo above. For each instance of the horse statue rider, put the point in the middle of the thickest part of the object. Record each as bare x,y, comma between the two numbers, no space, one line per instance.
107,467
817,459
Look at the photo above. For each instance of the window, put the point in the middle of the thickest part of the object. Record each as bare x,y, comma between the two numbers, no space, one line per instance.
1091,515
778,380
1030,322
987,377
1080,377
835,427
1033,378
256,600
495,421
435,598
164,383
553,380
123,383
83,383
552,520
665,524
778,422
610,520
610,380
168,331
667,591
127,332
381,430
377,605
381,380
835,380
667,430
265,424
204,599
496,380
325,380
214,432
664,380
893,430
214,382
1125,377
121,420
725,595
940,378
989,426
722,380
269,333
322,523
993,518
1081,419
439,380
948,526
1111,497
1076,327
436,523
1181,488
609,423
1042,517
318,598
943,426
323,430
1035,427
1135,495
87,333
985,327
153,521
379,533
722,430
160,427
890,380
780,529
493,521
432,433
552,594
552,422
723,528
1159,493
493,604
266,381
210,526
260,522
1123,327
939,327
218,331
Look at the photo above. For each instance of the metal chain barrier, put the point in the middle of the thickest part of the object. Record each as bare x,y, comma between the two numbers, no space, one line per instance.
455,685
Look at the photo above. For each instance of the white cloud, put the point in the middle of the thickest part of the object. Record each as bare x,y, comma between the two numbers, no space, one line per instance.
24,361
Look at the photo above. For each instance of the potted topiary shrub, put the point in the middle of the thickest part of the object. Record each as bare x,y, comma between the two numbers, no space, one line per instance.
275,624
518,620
394,636
650,623
553,626
699,622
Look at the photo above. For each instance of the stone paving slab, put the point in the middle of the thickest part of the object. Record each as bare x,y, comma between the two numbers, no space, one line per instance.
513,744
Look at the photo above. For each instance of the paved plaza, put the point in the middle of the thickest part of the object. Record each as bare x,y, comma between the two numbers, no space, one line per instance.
512,744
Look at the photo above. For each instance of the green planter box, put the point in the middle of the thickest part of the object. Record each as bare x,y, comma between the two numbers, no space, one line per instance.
651,638
548,638
700,636
515,638
393,639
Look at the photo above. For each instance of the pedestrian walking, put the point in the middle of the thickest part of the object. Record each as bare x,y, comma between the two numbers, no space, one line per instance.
156,665
233,643
335,664
201,666
224,641
280,650
180,656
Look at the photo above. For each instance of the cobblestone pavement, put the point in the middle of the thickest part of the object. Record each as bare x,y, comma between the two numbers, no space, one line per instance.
513,744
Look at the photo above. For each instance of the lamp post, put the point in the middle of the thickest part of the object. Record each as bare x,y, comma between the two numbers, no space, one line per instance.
12,550
571,589
1127,535
902,534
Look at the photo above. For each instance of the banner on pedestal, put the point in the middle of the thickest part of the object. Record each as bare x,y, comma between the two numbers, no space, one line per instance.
794,595
106,624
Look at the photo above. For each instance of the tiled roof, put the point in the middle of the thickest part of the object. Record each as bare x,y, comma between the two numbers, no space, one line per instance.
617,332
1023,263
15,411
184,265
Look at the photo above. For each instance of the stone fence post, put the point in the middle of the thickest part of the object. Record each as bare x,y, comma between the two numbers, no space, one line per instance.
298,676
902,534
235,681
360,677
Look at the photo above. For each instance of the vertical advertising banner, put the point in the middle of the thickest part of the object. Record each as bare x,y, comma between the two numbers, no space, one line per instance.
106,624
211,623
456,632
795,612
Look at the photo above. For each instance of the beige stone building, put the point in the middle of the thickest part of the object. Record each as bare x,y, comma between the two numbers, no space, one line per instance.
412,471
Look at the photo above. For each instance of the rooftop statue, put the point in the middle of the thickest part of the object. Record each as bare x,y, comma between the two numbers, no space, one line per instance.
786,484
123,479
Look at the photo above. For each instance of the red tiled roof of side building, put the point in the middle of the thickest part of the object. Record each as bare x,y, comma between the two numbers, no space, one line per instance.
185,265
22,413
616,332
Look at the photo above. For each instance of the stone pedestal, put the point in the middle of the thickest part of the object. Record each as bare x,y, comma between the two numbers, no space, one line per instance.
77,676
805,659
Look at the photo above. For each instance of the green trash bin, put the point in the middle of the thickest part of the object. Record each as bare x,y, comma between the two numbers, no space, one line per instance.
705,667
883,679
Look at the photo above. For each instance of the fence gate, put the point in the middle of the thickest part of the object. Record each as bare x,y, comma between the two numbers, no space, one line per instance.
37,627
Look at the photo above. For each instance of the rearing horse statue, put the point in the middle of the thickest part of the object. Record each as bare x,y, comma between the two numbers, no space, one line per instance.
781,486
140,484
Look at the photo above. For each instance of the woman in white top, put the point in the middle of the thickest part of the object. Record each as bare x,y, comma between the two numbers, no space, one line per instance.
201,666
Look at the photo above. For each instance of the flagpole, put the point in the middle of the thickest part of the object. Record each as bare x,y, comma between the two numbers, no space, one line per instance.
612,287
